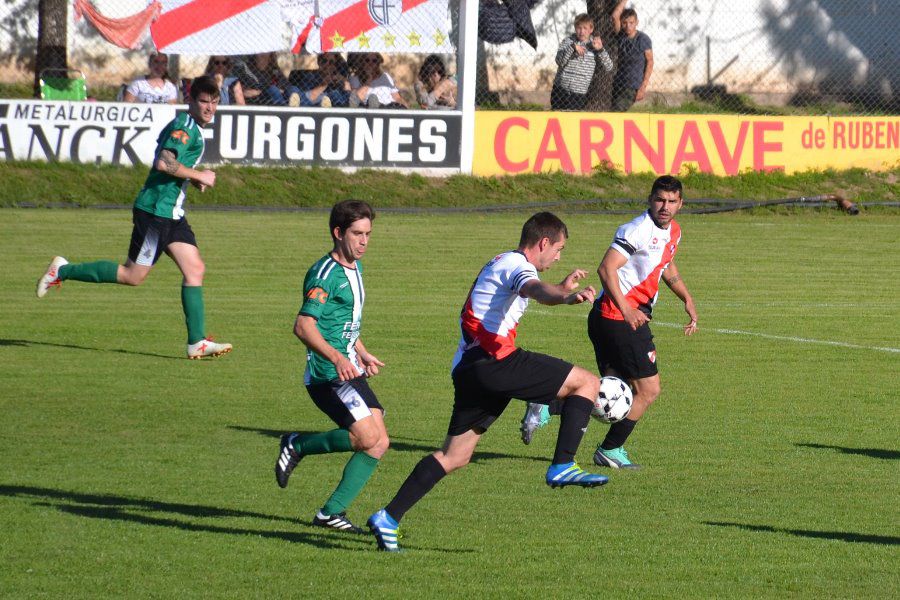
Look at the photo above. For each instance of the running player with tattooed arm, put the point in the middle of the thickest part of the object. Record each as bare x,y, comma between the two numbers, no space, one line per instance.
642,253
159,223
337,367
488,371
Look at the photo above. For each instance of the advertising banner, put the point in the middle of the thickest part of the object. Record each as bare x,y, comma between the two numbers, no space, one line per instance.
125,134
533,142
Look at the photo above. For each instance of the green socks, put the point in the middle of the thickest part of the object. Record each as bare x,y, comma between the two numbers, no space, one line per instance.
336,440
101,271
192,303
356,473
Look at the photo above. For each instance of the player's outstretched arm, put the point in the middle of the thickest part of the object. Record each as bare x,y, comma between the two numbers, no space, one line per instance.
368,360
549,294
305,329
167,162
679,288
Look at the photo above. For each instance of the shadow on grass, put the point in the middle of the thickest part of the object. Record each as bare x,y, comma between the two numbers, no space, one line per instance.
841,536
870,452
27,343
146,511
400,445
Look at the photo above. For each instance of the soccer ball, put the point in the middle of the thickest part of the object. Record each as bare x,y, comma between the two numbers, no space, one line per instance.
613,403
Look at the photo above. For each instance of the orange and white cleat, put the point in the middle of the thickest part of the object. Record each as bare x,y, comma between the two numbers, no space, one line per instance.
207,348
51,277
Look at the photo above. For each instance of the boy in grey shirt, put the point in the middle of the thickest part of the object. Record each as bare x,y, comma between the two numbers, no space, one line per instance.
577,57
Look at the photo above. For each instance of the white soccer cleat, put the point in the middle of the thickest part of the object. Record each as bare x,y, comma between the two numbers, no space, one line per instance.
207,347
51,277
536,416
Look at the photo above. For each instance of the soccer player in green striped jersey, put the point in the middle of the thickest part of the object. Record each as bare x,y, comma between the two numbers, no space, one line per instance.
338,365
159,223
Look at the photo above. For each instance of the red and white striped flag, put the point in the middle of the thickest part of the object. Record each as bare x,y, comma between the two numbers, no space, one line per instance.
413,26
219,27
252,26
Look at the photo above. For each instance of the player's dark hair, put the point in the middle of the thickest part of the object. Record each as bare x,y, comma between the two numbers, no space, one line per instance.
582,19
204,85
542,225
346,212
666,183
628,12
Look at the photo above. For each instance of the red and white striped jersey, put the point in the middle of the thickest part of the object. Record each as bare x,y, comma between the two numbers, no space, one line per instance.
649,250
492,311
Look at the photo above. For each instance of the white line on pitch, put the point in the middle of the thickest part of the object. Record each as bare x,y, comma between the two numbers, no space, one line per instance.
768,336
789,338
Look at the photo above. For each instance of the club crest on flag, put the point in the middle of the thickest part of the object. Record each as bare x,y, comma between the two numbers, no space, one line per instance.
385,12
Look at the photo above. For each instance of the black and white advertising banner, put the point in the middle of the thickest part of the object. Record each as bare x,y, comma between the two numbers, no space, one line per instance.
125,134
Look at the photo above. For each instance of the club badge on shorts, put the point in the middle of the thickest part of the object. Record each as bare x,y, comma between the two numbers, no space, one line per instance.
652,356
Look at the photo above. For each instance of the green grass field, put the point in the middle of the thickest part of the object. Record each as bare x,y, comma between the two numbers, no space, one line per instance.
772,463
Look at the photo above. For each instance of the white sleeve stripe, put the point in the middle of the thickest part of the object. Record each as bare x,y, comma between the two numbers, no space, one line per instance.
327,265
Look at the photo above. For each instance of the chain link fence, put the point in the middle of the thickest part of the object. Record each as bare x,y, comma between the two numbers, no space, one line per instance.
752,57
755,57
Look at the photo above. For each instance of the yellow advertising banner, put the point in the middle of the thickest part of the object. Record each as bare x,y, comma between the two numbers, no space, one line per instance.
508,143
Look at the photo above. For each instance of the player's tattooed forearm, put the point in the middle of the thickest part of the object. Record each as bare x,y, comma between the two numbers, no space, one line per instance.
170,161
672,280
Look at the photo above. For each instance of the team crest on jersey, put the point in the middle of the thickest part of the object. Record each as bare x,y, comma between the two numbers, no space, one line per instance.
181,136
317,294
652,356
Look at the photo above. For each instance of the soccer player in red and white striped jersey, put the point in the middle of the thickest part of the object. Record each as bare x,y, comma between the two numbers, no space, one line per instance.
642,253
489,370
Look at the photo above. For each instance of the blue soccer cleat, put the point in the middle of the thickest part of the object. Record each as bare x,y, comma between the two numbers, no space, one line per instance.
565,474
386,531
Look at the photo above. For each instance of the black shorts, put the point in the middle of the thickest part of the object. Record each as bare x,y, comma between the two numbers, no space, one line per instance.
345,402
152,234
631,354
483,388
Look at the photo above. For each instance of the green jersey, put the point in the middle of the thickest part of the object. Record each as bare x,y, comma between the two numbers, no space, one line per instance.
333,295
163,194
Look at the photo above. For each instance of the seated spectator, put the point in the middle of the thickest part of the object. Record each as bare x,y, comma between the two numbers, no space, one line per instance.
264,83
230,89
154,88
329,85
371,86
434,89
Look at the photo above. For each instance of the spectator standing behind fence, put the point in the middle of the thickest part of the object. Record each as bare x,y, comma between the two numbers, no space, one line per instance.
577,58
635,62
328,86
434,89
230,89
371,86
155,87
264,83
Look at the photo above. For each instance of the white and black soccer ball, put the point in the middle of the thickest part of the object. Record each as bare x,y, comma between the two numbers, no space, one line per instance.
613,403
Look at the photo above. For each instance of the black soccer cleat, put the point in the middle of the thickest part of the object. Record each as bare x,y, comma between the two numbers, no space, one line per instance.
337,521
287,459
